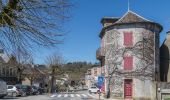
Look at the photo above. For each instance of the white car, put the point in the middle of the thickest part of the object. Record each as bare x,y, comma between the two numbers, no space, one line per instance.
93,89
3,90
13,90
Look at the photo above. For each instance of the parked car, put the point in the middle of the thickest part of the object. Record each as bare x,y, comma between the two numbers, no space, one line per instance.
93,89
3,88
41,90
71,89
85,87
19,87
34,90
14,90
28,89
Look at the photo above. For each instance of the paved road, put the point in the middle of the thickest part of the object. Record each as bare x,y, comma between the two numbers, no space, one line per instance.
33,97
72,96
81,95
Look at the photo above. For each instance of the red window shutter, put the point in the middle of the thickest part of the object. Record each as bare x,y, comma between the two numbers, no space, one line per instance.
128,63
128,38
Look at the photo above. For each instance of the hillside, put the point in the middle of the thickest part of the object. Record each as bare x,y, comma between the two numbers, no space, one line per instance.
77,70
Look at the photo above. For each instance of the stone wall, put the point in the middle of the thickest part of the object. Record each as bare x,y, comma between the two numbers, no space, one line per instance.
113,40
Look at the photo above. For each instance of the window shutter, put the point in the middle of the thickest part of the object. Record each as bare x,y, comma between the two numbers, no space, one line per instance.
128,63
128,38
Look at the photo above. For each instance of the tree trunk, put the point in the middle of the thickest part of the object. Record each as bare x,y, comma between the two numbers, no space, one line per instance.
52,81
31,81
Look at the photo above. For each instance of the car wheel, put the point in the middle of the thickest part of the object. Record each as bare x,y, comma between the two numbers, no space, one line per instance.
24,94
1,96
14,94
98,91
38,92
90,92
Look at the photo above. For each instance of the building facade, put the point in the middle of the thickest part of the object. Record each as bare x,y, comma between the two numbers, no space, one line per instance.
165,59
8,71
35,75
91,76
129,56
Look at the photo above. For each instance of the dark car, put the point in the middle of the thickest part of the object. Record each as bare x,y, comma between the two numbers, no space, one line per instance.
22,92
41,90
37,90
28,89
34,90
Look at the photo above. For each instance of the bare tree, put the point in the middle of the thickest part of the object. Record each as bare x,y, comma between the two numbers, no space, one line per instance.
143,50
54,62
24,24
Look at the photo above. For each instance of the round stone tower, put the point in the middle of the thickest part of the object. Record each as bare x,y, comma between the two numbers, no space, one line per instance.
131,56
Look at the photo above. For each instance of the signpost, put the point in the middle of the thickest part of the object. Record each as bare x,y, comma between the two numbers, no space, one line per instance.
100,83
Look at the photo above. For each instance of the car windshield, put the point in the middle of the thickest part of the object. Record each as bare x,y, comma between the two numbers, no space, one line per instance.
93,87
34,87
10,87
18,87
24,87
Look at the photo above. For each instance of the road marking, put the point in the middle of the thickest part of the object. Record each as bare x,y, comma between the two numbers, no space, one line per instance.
53,96
84,95
90,95
78,95
59,96
65,95
72,95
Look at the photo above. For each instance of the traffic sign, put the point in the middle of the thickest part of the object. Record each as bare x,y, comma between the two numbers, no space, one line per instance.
100,81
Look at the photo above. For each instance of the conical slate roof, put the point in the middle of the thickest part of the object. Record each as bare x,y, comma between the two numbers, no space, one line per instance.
131,17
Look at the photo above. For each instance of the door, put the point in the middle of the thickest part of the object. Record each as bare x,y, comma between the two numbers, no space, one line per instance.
128,88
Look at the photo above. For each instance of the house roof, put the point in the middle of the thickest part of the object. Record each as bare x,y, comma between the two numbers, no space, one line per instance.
2,60
130,18
12,61
109,19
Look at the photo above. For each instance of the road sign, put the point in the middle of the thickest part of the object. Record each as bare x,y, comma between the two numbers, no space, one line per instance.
100,81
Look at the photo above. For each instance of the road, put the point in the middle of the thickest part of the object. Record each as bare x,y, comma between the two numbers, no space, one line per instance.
81,95
33,97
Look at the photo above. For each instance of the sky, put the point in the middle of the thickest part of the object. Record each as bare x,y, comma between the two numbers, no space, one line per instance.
82,39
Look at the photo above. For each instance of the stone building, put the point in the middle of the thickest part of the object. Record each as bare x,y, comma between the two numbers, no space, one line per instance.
165,59
91,76
8,70
36,75
129,56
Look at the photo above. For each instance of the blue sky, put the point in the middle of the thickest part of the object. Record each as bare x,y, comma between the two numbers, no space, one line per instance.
84,27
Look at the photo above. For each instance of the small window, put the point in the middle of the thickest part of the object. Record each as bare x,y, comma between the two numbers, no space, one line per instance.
10,71
3,71
0,70
7,71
